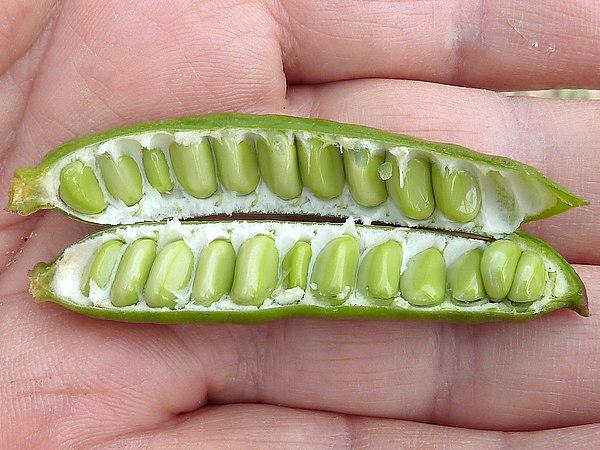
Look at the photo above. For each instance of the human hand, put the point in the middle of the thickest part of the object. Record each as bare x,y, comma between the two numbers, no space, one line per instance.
71,68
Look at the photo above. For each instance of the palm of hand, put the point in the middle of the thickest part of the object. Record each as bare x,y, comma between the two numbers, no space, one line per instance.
67,380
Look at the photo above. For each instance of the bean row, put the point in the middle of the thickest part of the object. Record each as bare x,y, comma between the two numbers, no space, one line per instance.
285,164
499,271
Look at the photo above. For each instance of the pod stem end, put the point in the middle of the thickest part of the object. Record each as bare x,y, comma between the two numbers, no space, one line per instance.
27,192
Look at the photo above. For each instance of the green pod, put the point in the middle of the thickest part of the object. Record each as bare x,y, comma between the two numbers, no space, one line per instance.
379,272
362,173
122,178
334,272
255,295
321,168
214,272
524,193
278,164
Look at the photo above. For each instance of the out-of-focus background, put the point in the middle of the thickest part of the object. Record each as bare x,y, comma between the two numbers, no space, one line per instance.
566,94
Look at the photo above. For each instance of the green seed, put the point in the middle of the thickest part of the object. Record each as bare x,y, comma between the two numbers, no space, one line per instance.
256,271
169,275
278,163
529,283
194,168
456,193
80,190
132,272
498,265
214,272
122,178
464,277
321,168
414,194
423,282
103,265
237,164
364,182
334,270
379,272
157,170
295,265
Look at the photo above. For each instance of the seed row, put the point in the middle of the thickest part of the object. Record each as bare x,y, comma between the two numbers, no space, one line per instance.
499,271
286,165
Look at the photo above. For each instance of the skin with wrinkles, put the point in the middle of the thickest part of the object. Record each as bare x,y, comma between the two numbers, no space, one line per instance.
70,68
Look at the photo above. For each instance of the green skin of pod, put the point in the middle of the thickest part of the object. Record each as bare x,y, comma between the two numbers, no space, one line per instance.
415,197
295,265
214,272
102,266
335,269
529,283
157,170
464,277
122,178
30,190
365,184
133,272
237,164
498,265
321,168
423,282
256,271
572,295
194,168
457,194
278,164
170,273
80,190
379,272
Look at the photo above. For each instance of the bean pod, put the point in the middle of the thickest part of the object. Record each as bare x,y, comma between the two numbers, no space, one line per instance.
254,271
232,163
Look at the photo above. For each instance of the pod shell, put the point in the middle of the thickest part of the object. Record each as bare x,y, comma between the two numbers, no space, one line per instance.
29,190
41,278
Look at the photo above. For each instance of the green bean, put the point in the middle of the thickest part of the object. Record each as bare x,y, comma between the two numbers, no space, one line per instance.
157,170
194,168
122,178
256,271
80,190
214,272
321,168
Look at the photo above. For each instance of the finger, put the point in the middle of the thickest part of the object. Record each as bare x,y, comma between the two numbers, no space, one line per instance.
558,138
21,22
501,44
265,427
261,426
